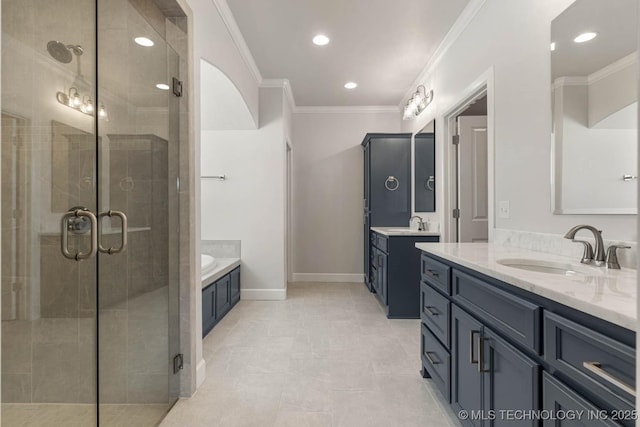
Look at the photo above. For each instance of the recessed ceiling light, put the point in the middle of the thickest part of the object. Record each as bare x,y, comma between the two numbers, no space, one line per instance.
143,41
585,37
162,86
321,40
351,85
553,46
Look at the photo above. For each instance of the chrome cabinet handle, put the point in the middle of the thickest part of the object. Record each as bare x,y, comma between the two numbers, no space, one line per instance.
64,241
472,358
124,238
432,311
431,359
431,272
596,368
481,355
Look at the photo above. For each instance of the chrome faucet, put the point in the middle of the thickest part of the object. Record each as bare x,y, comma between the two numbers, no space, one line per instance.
590,255
420,222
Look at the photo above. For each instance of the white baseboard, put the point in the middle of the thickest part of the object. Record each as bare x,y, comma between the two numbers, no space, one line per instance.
201,373
263,294
328,277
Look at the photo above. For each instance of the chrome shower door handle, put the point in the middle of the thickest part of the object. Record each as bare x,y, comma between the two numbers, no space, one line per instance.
64,241
124,238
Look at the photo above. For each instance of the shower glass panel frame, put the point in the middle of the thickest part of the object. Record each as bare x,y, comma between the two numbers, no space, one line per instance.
90,213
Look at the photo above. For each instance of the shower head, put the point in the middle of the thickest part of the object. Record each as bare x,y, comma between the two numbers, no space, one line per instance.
61,52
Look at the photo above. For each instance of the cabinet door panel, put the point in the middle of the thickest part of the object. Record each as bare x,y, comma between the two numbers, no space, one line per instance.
223,300
466,380
235,285
511,380
556,396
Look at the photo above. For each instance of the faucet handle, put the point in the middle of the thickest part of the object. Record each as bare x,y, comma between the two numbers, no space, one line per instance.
612,256
587,255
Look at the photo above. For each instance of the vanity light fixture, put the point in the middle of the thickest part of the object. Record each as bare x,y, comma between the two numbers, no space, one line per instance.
162,86
84,104
143,41
351,85
321,40
585,37
417,103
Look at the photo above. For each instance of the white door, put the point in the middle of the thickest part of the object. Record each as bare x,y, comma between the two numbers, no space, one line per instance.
473,225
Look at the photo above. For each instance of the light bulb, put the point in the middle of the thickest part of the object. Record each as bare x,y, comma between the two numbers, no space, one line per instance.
88,106
102,113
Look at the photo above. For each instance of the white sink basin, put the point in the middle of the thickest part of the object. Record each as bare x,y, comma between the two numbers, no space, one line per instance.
550,267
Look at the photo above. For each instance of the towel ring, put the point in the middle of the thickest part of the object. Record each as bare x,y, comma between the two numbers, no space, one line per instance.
428,183
389,182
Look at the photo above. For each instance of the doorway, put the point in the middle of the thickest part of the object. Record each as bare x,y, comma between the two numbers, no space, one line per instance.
470,164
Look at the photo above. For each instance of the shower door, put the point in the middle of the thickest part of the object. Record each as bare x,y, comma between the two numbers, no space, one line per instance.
89,213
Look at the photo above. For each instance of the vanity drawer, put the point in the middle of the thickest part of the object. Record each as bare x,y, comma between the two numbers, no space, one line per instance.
435,311
594,359
435,273
437,362
507,313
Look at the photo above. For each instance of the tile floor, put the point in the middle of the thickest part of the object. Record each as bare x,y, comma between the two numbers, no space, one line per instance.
327,356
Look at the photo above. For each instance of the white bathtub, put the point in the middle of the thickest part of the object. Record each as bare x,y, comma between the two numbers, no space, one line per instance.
208,263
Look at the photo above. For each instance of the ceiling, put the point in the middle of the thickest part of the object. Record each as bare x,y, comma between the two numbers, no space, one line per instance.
376,43
615,22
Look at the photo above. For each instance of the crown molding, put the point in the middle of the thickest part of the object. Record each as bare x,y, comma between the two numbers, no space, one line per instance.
458,27
348,109
613,68
238,38
570,81
286,87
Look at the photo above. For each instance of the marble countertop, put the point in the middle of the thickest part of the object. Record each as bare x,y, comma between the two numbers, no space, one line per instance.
610,295
403,231
222,267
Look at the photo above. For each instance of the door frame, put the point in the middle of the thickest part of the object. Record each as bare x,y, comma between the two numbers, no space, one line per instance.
483,85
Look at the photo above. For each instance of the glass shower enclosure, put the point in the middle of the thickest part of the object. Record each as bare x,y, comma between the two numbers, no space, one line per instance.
90,100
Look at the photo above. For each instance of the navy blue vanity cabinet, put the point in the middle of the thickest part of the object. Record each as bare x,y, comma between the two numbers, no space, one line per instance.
387,186
395,273
218,298
512,349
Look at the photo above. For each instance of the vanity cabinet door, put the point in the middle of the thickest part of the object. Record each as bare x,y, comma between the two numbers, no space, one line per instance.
511,380
466,379
235,285
223,300
382,276
208,308
557,396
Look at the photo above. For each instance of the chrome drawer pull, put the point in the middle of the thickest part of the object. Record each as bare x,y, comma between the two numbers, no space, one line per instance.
596,368
431,359
472,358
481,360
430,272
432,311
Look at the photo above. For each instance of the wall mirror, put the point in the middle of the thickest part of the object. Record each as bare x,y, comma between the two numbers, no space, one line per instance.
424,167
594,69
